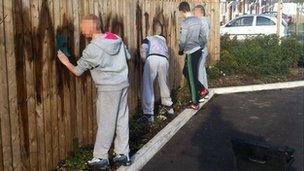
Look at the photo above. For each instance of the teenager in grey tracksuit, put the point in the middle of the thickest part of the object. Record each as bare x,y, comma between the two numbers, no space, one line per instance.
155,55
107,61
192,41
202,74
199,11
106,57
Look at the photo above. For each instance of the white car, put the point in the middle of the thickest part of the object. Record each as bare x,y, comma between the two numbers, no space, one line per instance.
253,25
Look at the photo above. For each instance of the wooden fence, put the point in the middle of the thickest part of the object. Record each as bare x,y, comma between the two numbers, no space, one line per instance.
45,111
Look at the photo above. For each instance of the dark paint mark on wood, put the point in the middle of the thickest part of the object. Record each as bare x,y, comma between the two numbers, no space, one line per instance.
107,22
117,26
32,43
138,65
62,73
45,34
160,20
174,24
102,25
83,78
139,34
21,81
147,23
113,23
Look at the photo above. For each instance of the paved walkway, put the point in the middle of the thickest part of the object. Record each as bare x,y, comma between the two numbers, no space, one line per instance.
204,142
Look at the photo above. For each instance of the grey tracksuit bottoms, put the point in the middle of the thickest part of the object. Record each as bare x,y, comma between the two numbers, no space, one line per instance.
112,119
155,66
202,74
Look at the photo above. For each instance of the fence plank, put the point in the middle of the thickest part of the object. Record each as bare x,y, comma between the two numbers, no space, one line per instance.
214,43
3,99
85,78
26,148
6,153
77,140
46,41
53,64
72,96
61,75
12,85
66,81
89,92
37,116
58,87
30,86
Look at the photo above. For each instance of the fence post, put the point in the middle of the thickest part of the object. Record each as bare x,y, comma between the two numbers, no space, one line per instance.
214,44
279,17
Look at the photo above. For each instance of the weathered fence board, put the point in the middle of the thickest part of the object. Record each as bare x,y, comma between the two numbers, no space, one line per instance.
11,84
6,146
3,84
29,129
45,111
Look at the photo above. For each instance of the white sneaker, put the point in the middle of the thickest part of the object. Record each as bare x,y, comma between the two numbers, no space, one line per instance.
169,110
93,160
98,163
202,100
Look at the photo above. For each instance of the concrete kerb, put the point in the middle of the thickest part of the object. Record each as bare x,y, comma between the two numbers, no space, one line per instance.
142,156
258,87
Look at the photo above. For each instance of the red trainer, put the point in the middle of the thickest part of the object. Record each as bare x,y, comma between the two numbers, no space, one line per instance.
193,106
203,93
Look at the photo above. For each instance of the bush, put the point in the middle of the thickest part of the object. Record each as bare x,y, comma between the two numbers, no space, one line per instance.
258,57
292,50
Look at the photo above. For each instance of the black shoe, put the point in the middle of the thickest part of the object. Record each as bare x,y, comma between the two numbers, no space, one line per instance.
169,112
121,159
146,118
98,164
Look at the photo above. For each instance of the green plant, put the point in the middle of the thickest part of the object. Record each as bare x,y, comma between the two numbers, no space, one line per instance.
292,50
214,73
261,56
76,159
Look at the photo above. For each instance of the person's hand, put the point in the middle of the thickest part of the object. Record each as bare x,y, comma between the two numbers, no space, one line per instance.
63,59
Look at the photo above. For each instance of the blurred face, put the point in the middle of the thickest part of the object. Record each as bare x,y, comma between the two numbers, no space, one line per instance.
197,12
88,28
158,30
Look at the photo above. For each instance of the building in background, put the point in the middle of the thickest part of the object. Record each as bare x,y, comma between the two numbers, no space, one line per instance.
230,9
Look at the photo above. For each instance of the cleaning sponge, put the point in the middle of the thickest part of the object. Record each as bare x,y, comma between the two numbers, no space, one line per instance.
62,45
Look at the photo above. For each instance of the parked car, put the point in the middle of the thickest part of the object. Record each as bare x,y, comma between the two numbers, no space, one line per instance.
253,25
288,19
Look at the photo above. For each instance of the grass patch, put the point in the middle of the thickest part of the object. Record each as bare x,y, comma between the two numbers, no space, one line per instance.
76,159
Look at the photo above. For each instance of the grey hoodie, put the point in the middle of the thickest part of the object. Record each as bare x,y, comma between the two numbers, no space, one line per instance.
192,36
154,45
206,26
107,61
